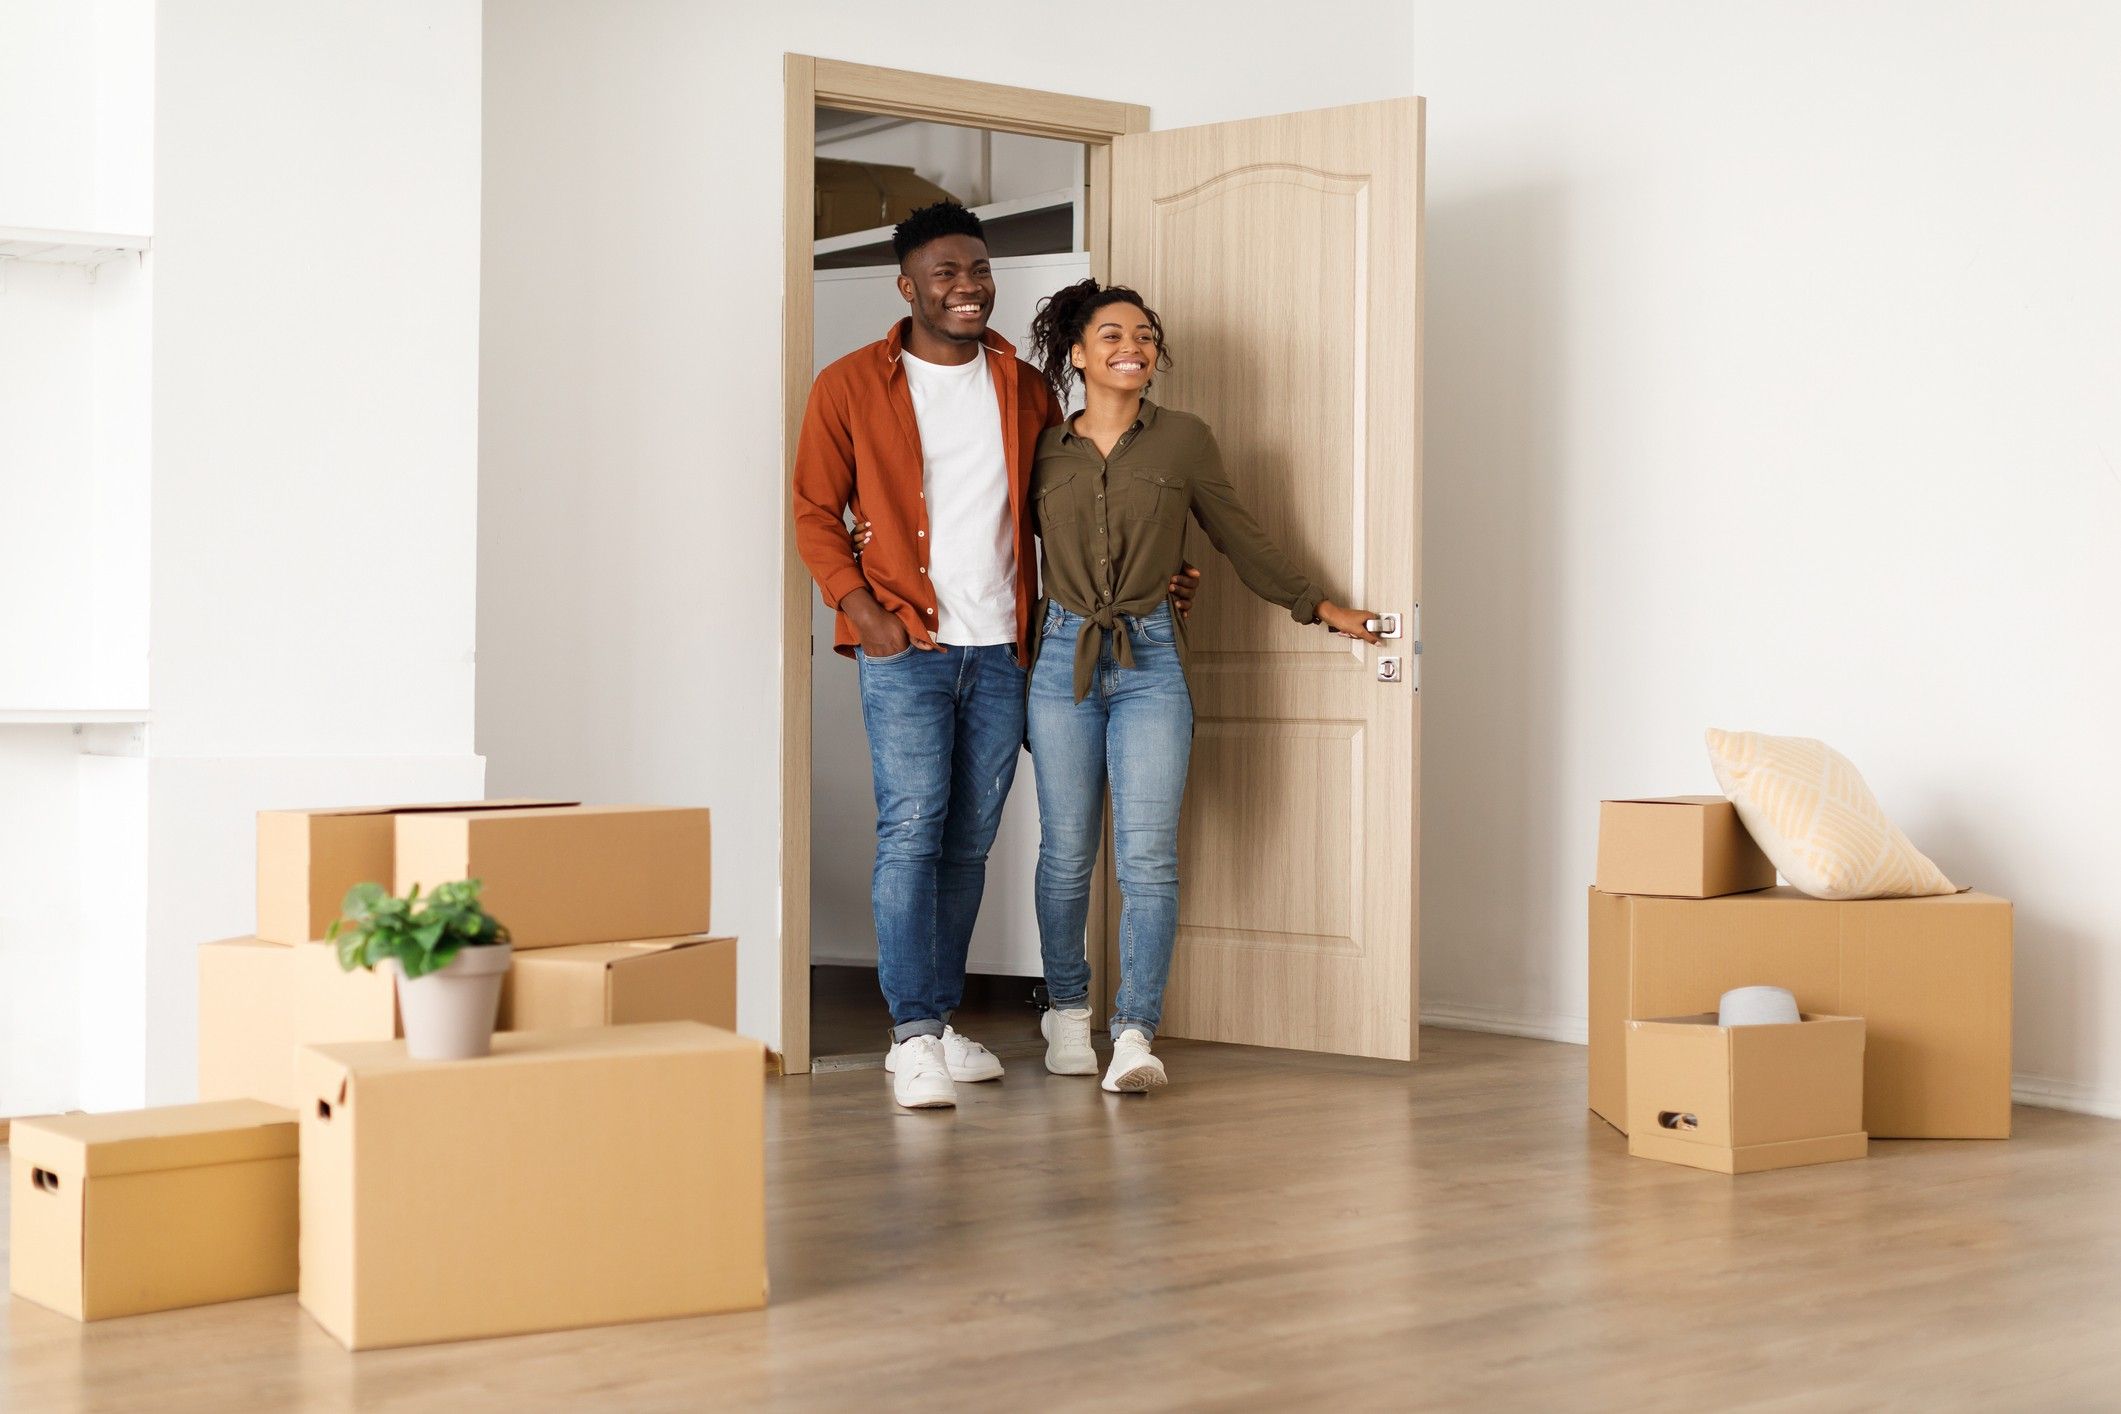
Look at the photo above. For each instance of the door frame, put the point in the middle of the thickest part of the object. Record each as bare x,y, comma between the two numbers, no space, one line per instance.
809,82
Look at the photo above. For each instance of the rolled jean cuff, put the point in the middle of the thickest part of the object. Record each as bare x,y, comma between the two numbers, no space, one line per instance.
1128,1023
1081,1003
926,1026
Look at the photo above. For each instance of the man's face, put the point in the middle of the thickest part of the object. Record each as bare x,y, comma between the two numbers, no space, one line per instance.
950,286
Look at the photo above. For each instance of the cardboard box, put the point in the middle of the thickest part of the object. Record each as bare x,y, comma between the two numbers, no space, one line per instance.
613,984
1741,1099
599,874
258,1001
861,196
308,859
1686,846
148,1210
1931,977
572,1178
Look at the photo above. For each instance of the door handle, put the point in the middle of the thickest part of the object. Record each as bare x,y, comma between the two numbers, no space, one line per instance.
1389,666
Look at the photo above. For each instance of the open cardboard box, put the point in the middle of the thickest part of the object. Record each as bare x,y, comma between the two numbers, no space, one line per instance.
1740,1099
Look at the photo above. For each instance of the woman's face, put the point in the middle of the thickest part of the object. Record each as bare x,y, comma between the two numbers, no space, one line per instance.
1118,350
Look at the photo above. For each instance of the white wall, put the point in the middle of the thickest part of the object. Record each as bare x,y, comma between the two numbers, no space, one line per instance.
1772,384
315,442
632,498
40,919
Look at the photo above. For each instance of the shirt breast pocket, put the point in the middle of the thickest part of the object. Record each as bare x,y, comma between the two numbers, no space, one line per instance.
1054,492
1157,496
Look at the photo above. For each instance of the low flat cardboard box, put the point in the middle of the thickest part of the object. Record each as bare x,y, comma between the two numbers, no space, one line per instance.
614,984
1931,977
572,1178
308,859
1685,846
1741,1099
149,1210
258,1001
598,874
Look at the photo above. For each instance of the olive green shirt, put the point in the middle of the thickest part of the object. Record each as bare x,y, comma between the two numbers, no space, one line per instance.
1113,530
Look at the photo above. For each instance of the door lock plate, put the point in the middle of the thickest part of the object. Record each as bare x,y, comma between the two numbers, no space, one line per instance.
1388,668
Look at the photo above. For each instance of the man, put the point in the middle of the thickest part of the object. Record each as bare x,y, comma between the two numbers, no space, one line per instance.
929,435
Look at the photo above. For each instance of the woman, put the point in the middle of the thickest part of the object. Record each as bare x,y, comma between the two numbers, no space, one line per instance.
1112,488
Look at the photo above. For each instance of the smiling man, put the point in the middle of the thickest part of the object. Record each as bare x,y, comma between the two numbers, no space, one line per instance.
928,435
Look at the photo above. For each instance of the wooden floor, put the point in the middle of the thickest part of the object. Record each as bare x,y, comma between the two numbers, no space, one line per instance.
1273,1232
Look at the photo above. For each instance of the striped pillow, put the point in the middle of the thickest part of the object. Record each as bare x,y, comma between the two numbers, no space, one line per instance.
1810,811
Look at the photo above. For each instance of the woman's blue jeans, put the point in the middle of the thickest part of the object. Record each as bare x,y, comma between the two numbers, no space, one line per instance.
1135,729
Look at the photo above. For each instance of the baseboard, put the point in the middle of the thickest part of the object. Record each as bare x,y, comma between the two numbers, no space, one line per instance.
2035,1090
2064,1095
1458,1016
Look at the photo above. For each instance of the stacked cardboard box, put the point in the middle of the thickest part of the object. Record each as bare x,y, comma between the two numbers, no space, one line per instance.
572,1178
1931,977
614,901
148,1210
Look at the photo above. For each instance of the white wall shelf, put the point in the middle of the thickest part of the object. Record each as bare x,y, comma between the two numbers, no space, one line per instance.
52,247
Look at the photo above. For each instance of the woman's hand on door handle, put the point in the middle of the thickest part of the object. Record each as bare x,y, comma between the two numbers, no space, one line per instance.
1348,623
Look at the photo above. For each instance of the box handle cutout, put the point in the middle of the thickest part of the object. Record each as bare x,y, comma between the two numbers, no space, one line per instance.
1673,1119
44,1180
324,1110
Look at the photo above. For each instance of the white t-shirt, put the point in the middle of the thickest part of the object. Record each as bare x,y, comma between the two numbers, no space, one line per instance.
971,550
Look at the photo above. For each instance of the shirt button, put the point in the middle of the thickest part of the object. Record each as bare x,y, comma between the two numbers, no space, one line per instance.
924,569
922,534
931,613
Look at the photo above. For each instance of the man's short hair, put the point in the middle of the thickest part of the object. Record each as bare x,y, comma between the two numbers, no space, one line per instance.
944,218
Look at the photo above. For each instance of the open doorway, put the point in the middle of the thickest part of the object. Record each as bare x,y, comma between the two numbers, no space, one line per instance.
873,170
838,105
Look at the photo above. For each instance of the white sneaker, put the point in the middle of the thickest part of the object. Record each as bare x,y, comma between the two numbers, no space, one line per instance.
1133,1070
968,1060
1067,1036
920,1077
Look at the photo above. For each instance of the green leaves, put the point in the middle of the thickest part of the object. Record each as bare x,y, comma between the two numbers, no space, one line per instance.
423,937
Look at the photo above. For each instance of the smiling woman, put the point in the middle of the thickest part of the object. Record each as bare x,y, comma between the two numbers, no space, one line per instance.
1110,698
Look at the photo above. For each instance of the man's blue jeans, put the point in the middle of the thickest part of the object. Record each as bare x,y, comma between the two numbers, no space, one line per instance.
1135,727
944,731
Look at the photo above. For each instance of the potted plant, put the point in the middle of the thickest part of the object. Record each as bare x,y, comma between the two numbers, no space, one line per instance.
448,954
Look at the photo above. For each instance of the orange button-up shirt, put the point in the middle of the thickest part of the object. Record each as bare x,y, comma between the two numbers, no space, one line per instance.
860,449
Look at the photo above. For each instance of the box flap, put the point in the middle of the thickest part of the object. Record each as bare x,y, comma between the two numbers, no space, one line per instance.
170,1137
505,810
512,803
1663,800
610,954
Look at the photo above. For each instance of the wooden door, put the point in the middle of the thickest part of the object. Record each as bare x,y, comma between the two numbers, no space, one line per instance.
1284,255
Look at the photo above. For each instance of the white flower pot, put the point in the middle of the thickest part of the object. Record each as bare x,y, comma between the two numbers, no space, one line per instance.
449,1013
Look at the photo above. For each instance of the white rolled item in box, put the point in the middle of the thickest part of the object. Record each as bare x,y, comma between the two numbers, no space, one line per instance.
1757,1006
